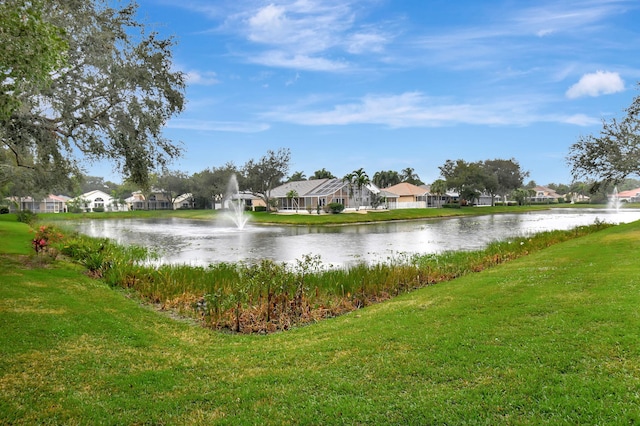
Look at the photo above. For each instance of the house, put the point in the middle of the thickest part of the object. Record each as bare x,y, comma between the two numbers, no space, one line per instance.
318,193
629,196
184,201
97,201
155,200
542,194
159,200
409,196
49,204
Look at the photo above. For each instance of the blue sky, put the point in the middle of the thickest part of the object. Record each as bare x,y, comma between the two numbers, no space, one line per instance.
391,84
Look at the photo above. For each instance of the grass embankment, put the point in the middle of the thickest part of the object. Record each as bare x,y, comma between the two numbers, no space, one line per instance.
303,218
549,338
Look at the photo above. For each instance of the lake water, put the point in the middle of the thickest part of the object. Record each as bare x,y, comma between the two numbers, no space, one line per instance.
203,242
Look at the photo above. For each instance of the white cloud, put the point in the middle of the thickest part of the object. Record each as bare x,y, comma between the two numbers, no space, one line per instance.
217,126
305,34
282,59
202,78
409,109
596,84
581,120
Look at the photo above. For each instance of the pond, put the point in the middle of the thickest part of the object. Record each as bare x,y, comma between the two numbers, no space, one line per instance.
200,242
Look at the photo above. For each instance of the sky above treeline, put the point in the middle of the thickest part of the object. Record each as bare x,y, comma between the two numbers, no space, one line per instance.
391,84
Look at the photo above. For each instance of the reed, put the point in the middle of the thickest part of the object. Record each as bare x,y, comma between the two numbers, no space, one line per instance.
268,296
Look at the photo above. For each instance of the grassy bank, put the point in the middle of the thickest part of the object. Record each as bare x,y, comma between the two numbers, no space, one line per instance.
549,338
303,218
268,296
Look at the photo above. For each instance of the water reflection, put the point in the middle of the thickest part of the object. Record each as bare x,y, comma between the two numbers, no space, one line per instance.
202,242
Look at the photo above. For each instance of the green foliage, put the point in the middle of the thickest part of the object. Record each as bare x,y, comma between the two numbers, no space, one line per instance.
322,174
386,178
27,216
611,156
30,48
119,82
335,208
261,176
4,210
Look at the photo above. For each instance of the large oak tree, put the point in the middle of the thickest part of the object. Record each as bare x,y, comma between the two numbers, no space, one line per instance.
611,156
110,101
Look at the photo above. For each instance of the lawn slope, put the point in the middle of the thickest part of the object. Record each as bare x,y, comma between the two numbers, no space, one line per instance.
549,338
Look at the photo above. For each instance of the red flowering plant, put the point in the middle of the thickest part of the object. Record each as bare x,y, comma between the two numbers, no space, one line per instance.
45,235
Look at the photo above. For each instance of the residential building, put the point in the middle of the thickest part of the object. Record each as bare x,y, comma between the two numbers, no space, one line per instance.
50,204
629,196
318,193
542,194
409,196
97,201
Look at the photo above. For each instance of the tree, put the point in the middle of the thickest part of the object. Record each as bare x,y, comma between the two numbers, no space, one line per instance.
291,195
30,49
468,179
503,177
611,156
322,174
109,102
408,175
385,179
357,180
210,185
264,175
521,195
173,184
297,176
439,188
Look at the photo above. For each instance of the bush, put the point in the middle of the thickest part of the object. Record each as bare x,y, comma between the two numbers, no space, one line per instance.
98,209
27,216
335,208
260,209
451,206
4,210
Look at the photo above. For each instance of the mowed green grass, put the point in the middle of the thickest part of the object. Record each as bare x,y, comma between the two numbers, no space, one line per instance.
550,338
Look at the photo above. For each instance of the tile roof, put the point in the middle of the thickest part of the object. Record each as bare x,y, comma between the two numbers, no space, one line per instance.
405,188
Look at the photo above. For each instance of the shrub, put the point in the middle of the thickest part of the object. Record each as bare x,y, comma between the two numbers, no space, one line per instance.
27,216
98,209
4,210
451,205
335,208
260,209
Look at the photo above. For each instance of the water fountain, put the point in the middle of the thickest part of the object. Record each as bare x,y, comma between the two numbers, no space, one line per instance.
614,201
235,204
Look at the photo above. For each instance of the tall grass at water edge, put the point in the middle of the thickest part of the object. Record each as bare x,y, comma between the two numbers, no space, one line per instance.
270,296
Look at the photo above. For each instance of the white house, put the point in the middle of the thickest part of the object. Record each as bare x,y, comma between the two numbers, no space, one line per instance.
98,201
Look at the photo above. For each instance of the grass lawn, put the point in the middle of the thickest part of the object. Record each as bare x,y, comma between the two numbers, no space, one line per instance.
550,338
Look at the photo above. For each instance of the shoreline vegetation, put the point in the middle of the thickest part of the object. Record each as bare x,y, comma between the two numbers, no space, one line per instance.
547,338
267,297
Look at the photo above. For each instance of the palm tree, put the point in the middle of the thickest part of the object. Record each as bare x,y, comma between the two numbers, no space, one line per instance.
409,175
293,194
360,180
439,188
349,178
